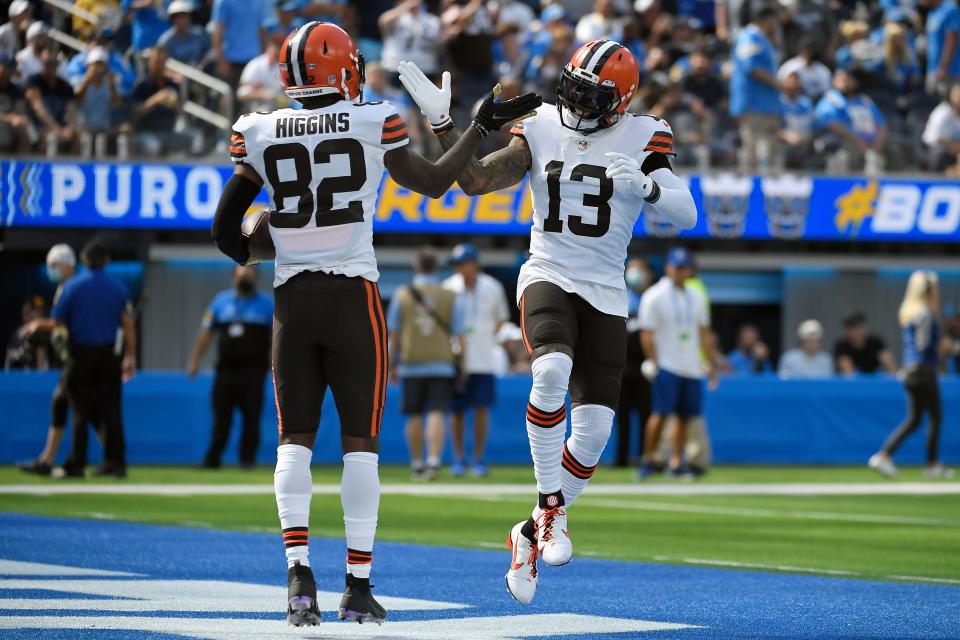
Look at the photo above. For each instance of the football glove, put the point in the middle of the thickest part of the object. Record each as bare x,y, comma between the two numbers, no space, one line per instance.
629,178
494,114
434,102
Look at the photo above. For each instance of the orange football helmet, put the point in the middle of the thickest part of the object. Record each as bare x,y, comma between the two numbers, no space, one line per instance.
320,58
597,85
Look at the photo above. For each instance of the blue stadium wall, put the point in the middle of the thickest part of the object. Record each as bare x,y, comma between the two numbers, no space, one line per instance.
751,420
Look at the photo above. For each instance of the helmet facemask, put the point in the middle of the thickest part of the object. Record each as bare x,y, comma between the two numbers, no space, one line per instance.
584,103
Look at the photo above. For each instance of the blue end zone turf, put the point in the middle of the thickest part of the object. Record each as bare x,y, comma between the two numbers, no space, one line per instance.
604,599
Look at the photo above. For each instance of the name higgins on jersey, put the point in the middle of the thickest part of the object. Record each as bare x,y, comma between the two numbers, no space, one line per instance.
312,125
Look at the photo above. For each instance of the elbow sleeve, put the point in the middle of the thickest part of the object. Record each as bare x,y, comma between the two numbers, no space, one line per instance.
674,203
237,196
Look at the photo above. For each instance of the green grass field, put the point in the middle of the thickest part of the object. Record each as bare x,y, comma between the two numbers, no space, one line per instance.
876,536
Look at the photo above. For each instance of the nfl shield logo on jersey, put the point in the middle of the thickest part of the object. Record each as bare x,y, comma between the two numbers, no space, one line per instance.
786,199
582,145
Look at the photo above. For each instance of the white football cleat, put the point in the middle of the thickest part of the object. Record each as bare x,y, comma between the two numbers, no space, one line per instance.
522,576
938,471
553,541
883,465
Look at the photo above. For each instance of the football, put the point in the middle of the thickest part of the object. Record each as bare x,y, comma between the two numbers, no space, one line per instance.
256,228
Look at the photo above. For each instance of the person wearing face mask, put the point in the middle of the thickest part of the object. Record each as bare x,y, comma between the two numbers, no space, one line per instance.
242,319
634,387
61,265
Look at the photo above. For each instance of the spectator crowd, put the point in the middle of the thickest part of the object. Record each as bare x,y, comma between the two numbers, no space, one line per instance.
837,85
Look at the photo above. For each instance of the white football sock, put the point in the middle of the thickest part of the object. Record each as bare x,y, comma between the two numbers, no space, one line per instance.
590,426
547,418
292,482
360,497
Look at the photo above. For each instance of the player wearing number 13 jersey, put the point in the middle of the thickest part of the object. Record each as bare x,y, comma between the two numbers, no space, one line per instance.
322,167
592,168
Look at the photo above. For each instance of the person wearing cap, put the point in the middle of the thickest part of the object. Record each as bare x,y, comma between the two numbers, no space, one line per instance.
97,93
123,72
260,88
12,33
53,104
675,327
860,351
242,320
485,310
14,124
185,41
287,19
93,307
30,58
61,266
424,322
809,360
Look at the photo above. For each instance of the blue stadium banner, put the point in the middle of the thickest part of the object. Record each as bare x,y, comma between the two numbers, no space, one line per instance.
789,207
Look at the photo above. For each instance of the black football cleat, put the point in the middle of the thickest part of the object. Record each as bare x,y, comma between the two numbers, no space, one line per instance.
36,466
302,608
358,604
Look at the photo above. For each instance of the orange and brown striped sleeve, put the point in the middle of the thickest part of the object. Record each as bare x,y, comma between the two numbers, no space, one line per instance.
660,142
394,132
238,147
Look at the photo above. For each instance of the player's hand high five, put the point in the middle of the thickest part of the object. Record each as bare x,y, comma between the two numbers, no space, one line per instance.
434,102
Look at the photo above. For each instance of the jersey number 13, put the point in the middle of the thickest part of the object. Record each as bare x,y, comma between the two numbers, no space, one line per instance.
600,201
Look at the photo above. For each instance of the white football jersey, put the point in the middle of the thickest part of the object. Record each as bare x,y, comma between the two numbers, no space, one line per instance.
322,170
581,224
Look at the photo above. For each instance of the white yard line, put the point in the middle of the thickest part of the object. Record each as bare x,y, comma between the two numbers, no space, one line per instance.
589,501
924,579
470,490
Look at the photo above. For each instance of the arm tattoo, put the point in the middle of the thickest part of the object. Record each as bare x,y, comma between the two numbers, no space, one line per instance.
499,170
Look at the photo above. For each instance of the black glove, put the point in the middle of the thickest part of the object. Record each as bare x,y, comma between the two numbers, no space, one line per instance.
493,114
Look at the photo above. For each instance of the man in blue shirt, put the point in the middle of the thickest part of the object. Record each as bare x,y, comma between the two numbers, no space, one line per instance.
149,21
852,117
754,91
242,319
94,307
943,44
185,41
798,118
239,35
751,354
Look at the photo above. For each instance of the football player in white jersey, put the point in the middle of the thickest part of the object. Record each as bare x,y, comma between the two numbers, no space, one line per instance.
322,167
592,168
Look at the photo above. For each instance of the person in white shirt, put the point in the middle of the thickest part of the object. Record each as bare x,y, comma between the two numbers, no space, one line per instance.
11,33
602,23
942,133
412,33
484,307
260,87
808,360
814,75
674,330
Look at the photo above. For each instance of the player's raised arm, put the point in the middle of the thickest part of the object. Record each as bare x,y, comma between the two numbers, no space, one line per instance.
498,170
657,184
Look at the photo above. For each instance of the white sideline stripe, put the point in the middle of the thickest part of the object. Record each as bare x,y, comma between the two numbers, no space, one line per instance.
474,628
769,513
756,565
17,568
468,490
925,579
182,595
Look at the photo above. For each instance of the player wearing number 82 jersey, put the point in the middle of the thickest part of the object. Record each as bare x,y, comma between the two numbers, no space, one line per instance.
592,168
322,167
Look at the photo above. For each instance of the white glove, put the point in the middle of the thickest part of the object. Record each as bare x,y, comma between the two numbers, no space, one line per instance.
628,177
649,369
434,102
